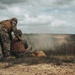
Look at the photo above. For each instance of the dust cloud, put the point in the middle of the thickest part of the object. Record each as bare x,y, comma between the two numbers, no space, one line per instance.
45,41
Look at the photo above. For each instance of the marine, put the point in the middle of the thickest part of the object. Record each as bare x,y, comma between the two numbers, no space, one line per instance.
20,48
6,29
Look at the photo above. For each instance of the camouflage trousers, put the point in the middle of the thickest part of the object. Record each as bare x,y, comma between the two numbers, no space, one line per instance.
18,54
4,41
21,54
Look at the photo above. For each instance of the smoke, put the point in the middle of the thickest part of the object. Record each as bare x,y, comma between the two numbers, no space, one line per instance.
45,41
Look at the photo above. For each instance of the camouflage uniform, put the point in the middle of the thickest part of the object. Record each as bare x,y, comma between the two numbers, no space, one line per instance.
20,48
6,27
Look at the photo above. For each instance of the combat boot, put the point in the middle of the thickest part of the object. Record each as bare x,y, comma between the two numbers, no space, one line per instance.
6,55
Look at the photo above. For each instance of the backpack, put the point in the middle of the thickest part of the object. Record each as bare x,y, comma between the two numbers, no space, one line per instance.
17,46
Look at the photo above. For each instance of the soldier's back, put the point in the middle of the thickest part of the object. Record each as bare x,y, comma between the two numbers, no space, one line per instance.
17,46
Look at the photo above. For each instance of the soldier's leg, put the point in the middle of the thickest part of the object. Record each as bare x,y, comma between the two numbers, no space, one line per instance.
5,43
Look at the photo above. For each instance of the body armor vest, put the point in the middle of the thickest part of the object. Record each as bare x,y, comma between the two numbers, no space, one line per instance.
17,46
6,24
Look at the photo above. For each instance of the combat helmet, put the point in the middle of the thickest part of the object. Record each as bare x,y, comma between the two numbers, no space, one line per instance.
14,19
18,33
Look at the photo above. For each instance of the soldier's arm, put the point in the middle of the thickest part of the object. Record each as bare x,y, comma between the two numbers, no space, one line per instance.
14,29
25,44
17,35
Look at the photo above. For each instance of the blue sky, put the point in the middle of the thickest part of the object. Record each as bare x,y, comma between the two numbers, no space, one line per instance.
41,16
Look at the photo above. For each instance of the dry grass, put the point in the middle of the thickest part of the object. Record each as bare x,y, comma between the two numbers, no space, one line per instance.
64,52
60,60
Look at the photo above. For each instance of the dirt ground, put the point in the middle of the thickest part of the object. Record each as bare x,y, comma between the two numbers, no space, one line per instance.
30,66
